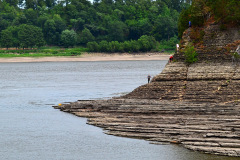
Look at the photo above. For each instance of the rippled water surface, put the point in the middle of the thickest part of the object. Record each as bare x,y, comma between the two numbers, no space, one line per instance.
31,129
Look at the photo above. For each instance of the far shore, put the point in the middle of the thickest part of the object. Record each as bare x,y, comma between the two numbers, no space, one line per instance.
92,57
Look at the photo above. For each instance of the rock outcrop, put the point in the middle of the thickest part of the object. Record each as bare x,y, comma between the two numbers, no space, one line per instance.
198,82
194,105
211,43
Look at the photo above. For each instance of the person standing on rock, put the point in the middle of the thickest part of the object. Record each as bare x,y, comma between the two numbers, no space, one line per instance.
170,59
149,77
190,24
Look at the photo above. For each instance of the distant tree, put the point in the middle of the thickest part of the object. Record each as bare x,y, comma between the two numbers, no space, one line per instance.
6,38
21,19
77,24
60,26
134,32
30,36
164,28
118,31
147,43
53,29
127,46
86,36
111,21
50,3
103,46
49,31
93,46
170,44
114,46
70,12
4,24
15,40
41,20
31,16
145,26
68,38
12,2
30,4
135,46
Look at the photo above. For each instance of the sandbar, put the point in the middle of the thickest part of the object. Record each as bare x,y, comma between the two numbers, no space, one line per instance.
91,57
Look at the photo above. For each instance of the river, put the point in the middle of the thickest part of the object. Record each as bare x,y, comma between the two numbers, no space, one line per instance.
31,129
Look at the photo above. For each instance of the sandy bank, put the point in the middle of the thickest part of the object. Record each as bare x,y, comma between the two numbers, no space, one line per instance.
91,57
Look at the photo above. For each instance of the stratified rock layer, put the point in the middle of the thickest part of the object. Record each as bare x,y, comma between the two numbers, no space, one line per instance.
211,43
199,82
196,106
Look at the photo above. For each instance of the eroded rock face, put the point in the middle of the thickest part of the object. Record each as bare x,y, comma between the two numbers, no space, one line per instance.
208,127
199,82
216,38
211,43
194,105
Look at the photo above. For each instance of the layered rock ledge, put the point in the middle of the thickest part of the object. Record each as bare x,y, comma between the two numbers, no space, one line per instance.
196,106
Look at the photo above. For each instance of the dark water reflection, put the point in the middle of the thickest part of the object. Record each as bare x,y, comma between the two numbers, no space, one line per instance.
31,129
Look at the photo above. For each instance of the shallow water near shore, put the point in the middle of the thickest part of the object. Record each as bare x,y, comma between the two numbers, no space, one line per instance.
31,129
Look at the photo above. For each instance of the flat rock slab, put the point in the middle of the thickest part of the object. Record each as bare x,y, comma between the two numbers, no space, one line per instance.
194,105
195,125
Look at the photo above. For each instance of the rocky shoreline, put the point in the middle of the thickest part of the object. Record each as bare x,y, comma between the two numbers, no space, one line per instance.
194,105
184,105
207,127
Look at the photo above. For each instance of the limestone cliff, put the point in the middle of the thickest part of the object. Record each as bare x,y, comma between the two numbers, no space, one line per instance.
214,78
212,43
198,82
194,105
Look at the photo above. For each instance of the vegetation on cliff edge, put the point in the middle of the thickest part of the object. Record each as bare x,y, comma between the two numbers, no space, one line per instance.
225,12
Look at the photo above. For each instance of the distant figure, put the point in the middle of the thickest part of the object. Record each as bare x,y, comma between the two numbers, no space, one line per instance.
190,24
170,59
149,77
177,47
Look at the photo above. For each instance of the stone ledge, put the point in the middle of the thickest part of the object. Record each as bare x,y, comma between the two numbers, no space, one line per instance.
167,122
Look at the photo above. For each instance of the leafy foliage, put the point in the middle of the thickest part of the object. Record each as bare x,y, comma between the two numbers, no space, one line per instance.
169,44
93,46
190,54
86,36
30,36
146,43
113,22
224,11
6,38
68,38
143,44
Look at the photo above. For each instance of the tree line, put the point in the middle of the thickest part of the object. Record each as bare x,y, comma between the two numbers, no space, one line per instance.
119,25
